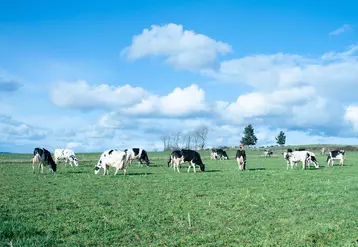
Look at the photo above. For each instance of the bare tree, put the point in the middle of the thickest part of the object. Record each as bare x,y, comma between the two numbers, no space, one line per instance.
166,142
188,141
176,139
201,133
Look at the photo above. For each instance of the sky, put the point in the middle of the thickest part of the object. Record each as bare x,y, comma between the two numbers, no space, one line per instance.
95,75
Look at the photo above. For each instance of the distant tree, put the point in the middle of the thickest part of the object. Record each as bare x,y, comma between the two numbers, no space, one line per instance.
249,137
201,133
281,138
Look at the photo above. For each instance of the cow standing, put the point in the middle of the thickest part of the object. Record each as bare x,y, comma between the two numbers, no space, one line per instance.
217,153
43,157
335,155
136,154
112,158
268,152
178,157
293,157
173,156
241,159
66,155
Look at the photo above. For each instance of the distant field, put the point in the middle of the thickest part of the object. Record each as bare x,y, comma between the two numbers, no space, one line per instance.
263,206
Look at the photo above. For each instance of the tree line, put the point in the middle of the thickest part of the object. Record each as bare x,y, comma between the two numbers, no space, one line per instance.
197,138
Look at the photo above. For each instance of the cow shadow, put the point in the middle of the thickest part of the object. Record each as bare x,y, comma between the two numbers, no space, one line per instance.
213,171
257,169
76,171
138,173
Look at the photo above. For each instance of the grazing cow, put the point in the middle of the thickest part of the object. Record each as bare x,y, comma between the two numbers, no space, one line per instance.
335,155
138,154
219,153
112,158
293,157
186,155
43,157
323,151
241,159
66,155
268,153
173,156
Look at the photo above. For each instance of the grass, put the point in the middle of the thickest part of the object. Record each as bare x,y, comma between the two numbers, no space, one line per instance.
263,206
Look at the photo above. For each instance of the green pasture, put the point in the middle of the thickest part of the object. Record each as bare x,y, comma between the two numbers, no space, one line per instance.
266,205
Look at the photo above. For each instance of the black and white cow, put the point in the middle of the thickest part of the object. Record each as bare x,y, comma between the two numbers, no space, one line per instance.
217,153
172,157
335,155
306,157
178,157
66,155
241,159
136,154
43,157
268,152
112,158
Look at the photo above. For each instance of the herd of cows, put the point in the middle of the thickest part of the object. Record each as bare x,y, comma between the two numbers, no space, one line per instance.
120,160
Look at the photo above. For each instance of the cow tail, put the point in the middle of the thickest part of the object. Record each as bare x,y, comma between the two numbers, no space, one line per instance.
328,157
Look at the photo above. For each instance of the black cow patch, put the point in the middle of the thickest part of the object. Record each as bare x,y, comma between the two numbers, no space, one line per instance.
135,151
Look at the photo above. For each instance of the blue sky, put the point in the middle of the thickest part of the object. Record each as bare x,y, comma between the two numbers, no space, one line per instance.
102,74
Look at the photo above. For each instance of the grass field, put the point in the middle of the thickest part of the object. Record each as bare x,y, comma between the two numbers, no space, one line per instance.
263,206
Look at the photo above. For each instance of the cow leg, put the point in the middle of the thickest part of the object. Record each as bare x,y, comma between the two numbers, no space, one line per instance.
104,169
193,164
342,161
125,171
117,169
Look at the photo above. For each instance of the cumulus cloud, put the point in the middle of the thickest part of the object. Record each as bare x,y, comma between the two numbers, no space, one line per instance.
178,103
130,100
340,30
81,95
11,129
265,72
184,49
351,116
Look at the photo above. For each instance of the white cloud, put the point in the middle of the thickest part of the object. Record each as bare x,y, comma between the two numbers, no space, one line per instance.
266,72
11,130
129,100
184,49
340,30
180,102
82,95
341,55
351,116
296,105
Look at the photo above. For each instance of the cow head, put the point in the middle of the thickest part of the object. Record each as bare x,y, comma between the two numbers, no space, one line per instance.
74,160
312,158
202,167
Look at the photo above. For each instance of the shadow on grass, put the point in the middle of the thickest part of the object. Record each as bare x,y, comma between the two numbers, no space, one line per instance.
213,171
79,171
138,173
256,169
